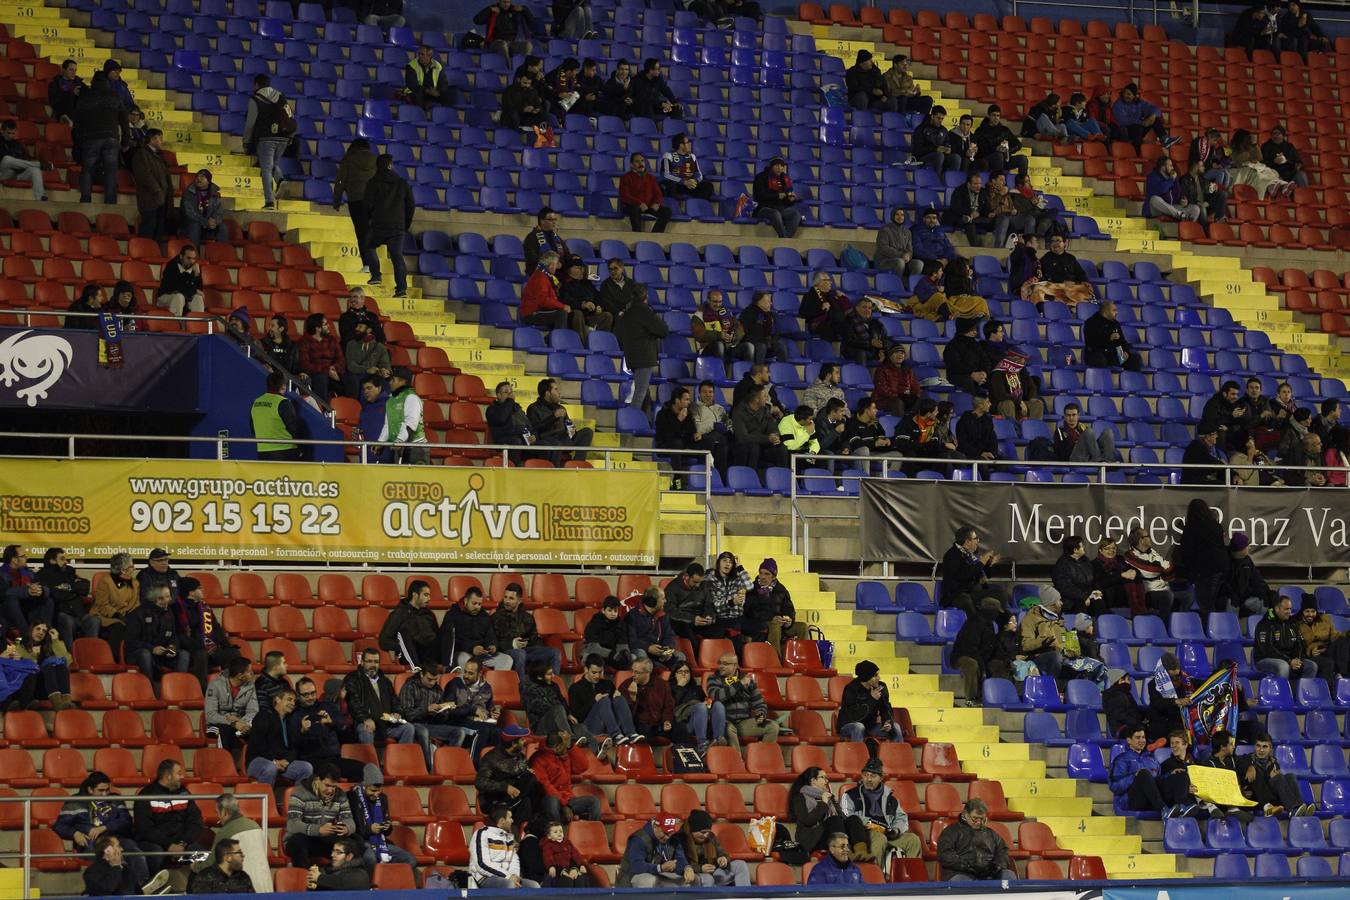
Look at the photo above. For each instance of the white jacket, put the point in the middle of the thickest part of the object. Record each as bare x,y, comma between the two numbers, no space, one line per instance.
492,854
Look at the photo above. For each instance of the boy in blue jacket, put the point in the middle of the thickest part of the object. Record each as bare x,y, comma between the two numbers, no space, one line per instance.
838,867
1136,777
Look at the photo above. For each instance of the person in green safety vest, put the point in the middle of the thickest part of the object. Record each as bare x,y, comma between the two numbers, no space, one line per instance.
403,420
276,423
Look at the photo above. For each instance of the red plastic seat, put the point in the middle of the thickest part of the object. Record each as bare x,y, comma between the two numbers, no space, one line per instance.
732,839
849,758
76,728
330,656
134,690
1087,868
771,800
1044,870
679,800
63,765
766,761
774,874
940,759
722,801
455,764
288,622
181,689
726,764
393,877
25,728
294,664
634,801
119,765
758,656
380,590
242,621
804,690
636,761
591,591
804,657
290,880
448,801
332,621
215,764
293,589
248,587
804,756
172,726
444,840
941,798
49,842
124,728
991,792
549,589
336,589
407,764
591,842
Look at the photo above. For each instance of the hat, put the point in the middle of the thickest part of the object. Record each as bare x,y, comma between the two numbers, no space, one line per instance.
668,824
1048,594
401,372
1205,428
206,172
991,604
1238,542
965,323
159,553
864,56
699,820
187,586
866,670
1114,675
771,564
515,733
372,776
778,161
874,766
241,313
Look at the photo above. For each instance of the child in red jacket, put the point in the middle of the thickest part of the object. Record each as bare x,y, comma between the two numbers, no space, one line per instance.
566,868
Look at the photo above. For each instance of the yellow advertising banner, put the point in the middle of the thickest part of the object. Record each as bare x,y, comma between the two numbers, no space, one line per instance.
201,509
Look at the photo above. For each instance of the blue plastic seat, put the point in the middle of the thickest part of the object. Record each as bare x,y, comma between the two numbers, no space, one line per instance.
745,480
1305,833
1084,726
1083,694
1274,693
1272,865
1224,834
1232,867
1039,727
948,623
1042,693
1000,693
913,596
1182,836
1313,867
1263,834
1336,796
1313,693
912,626
1085,761
872,595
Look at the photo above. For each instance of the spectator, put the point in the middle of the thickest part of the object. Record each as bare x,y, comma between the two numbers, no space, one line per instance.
650,700
1132,117
1155,573
1104,343
865,708
896,388
225,875
1045,120
1001,205
756,441
154,187
276,424
825,387
931,245
63,92
1055,648
551,425
1073,577
354,173
1222,411
543,237
273,678
652,97
617,97
125,305
618,291
471,707
1324,644
639,331
594,701
681,175
152,641
1099,108
374,396
466,633
1204,457
1279,647
100,121
922,435
110,875
654,858
164,828
231,704
718,332
514,630
1282,156
969,850
411,633
1247,168
420,703
1163,194
278,344
318,816
996,145
200,632
640,196
747,713
1327,420
85,822
69,594
964,358
710,416
760,327
1164,713
769,614
180,287
539,302
1064,277
507,28
1137,782
1213,158
346,872
425,82
837,867
158,573
494,855
272,751
15,163
1123,713
878,811
507,422
202,218
563,866
391,215
705,854
1295,429
1013,390
1337,457
690,607
606,636
523,106
1075,441
1202,556
365,356
975,435
698,719
41,645
961,145
757,376
321,357
1262,780
373,706
862,336
866,86
1032,211
403,420
86,309
898,83
958,291
931,143
580,296
650,630
776,200
558,767
975,649
1256,28
268,128
1112,575
816,813
863,434
1300,32
968,211
895,247
1246,462
384,13
116,595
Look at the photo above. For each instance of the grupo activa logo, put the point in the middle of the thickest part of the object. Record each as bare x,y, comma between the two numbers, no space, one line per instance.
37,358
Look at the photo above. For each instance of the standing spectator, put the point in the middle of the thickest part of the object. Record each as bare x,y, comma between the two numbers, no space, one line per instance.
15,162
1262,780
1163,195
100,121
650,700
411,633
895,246
517,635
1202,556
865,708
640,196
652,97
573,19
318,817
354,173
180,287
321,357
152,641
1104,343
276,424
639,331
404,422
391,215
167,827
681,175
1256,27
507,28
116,596
975,649
932,144
775,199
1247,588
1132,117
425,81
1075,441
1300,32
231,704
899,85
85,822
618,290
268,129
866,86
655,858
1136,780
373,706
202,211
154,187
553,427
1279,647
272,749
1283,156
365,356
200,632
747,713
63,92
996,145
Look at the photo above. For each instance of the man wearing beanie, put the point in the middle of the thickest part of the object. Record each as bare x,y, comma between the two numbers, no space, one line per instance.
200,632
878,810
403,423
865,710
712,865
769,614
865,85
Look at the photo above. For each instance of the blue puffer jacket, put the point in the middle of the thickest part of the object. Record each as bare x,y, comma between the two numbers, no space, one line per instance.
827,871
1124,767
930,243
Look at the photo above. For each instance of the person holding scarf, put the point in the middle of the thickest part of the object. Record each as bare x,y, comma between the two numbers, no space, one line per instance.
719,333
824,308
776,200
202,218
200,631
681,175
918,435
370,812
1024,264
125,305
539,303
1013,391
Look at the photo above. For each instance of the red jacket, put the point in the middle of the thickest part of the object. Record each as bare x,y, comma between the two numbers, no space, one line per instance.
556,773
540,295
560,854
635,189
890,382
319,356
655,704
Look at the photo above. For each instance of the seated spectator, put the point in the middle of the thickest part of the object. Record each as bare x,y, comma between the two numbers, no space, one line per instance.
769,614
467,633
225,875
1212,156
698,720
564,865
756,442
758,376
1075,580
775,200
618,291
865,708
231,704
747,713
346,872
1155,573
1279,649
718,332
420,704
640,196
1058,651
898,83
961,146
516,633
861,335
1262,780
1132,117
877,810
1205,193
1060,276
1045,120
1080,125
594,701
709,415
825,387
1282,156
180,288
116,595
838,866
1256,28
277,342
866,86
557,768
1300,32
469,701
1324,643
654,857
652,97
815,812
975,437
676,430
317,724
166,828
1204,455
930,241
152,640
922,434
1222,411
1246,461
1295,429
507,422
494,855
639,331
15,163
895,388
562,83
1013,390
1104,343
273,678
706,856
552,427
1326,420
320,357
86,308
365,356
969,850
64,90
1163,194
522,106
1123,713
681,175
373,705
969,211
996,145
617,98
542,238
1033,211
824,308
606,637
1136,779
272,751
895,247
110,874
760,326
580,295
976,649
425,82
863,434
590,87
651,634
1075,441
507,28
539,302
203,217
573,19
650,700
931,143
85,822
964,358
1247,168
125,305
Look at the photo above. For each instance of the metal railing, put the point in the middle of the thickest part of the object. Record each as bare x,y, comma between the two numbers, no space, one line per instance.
27,855
850,469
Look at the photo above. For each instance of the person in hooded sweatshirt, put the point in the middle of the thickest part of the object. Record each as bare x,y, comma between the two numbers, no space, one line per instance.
264,106
391,215
866,86
895,247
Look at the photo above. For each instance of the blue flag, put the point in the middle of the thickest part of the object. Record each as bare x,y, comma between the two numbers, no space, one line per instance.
13,673
1162,683
1213,706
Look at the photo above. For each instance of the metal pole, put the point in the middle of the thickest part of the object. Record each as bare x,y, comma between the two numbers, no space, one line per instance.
792,497
27,847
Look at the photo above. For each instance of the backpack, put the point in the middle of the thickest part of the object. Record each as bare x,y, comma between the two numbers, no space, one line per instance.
275,119
853,259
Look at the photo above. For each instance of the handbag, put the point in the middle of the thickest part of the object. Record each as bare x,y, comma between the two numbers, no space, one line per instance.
824,647
686,760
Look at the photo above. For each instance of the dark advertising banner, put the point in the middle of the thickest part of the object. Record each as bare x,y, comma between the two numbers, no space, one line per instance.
61,369
906,520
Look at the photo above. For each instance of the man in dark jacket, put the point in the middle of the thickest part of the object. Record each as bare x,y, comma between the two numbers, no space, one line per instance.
99,123
391,215
109,875
515,633
654,857
507,27
931,143
15,163
167,827
551,425
1261,780
543,237
639,331
965,359
154,187
865,709
506,420
965,572
466,633
374,708
1059,266
650,633
676,430
346,872
863,82
1123,713
69,593
975,647
689,605
63,92
504,776
775,199
272,747
769,614
1222,411
180,285
79,818
968,850
1279,649
996,145
967,211
357,313
200,632
411,633
226,875
652,97
862,336
1203,452
1284,158
756,440
318,725
353,176
152,642
618,291
975,435
1104,343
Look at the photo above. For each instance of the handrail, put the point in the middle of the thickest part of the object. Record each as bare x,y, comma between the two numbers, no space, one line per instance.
28,855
